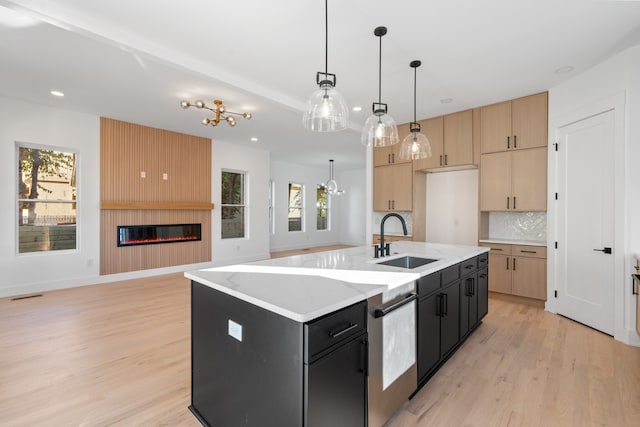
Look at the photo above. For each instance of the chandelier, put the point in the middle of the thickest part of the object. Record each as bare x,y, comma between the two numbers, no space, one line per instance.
219,110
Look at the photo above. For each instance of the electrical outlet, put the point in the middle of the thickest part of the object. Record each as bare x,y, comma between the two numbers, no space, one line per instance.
235,330
143,174
165,176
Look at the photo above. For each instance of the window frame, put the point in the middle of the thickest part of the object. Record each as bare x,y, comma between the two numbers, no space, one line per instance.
17,201
327,208
244,203
301,208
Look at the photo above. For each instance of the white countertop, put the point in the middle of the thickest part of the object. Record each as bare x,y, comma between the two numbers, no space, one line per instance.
304,287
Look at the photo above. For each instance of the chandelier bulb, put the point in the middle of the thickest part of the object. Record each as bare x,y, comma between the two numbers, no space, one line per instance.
185,104
221,109
246,115
200,103
231,121
206,121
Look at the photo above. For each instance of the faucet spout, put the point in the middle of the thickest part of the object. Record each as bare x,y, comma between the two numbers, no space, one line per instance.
384,249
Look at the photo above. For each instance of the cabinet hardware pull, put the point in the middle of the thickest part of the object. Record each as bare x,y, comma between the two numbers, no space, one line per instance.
473,287
446,304
440,159
514,264
508,142
483,275
468,266
507,263
496,249
379,312
515,143
389,158
636,278
389,204
605,250
508,202
393,157
514,202
529,252
351,327
393,204
445,160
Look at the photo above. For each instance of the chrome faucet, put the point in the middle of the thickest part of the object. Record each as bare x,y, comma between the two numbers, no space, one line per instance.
380,251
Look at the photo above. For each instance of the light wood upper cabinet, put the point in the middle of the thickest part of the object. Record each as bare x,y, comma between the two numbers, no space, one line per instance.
513,125
514,180
393,188
433,130
389,155
451,139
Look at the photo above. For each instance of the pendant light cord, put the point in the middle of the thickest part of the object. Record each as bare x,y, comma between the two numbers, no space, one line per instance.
326,38
380,72
415,73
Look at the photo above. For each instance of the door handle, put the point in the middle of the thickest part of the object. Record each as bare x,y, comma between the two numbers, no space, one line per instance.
605,250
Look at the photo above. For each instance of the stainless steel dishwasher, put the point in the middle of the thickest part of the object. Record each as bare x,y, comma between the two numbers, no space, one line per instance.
391,326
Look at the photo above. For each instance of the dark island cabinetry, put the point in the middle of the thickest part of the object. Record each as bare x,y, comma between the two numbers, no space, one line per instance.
253,367
452,303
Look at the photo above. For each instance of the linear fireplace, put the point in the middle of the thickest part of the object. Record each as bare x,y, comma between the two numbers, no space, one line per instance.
132,235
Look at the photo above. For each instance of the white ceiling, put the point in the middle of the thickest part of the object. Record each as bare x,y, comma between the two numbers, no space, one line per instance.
135,60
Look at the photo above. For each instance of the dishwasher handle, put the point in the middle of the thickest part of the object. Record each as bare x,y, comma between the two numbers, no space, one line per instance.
380,312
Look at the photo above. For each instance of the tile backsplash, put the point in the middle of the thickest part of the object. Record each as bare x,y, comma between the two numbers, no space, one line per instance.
518,225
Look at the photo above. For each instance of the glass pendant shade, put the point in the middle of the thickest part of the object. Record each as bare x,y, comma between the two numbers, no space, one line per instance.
331,186
379,131
415,146
327,111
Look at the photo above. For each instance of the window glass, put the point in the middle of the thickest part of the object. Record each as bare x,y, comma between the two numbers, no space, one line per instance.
322,208
296,207
47,199
233,209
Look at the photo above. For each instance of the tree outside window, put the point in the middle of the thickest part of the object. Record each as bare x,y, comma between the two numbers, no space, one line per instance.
233,205
296,207
322,208
47,197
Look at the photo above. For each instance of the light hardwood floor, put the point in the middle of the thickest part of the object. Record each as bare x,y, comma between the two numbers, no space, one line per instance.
118,354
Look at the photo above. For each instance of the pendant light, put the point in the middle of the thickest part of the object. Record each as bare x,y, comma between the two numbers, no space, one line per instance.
415,145
326,110
331,185
380,129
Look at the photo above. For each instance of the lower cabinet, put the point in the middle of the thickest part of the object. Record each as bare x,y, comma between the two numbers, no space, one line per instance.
273,371
518,270
449,308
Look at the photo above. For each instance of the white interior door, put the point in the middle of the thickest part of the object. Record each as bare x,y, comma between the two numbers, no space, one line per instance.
586,221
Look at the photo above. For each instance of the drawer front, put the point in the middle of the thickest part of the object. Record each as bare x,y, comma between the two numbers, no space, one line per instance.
468,266
428,284
497,248
450,274
531,251
334,328
483,260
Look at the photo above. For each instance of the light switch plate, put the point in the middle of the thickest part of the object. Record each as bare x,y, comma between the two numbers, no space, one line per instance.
235,330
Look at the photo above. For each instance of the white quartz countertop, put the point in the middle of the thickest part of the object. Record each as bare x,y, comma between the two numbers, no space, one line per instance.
304,287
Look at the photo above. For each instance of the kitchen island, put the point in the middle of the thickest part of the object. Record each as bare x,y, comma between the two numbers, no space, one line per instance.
311,340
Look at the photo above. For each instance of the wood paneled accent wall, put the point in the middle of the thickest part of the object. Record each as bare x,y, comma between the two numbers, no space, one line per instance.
134,161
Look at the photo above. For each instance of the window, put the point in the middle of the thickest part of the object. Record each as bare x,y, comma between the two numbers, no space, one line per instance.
233,204
46,199
296,207
322,208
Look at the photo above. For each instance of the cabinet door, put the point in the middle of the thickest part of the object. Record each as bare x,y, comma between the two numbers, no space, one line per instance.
458,138
495,127
382,188
428,334
529,180
433,130
336,393
529,121
483,293
500,277
402,187
381,156
529,277
495,182
450,324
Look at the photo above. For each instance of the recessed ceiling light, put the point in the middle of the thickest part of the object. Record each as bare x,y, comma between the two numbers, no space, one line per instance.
446,101
356,109
564,70
57,93
254,139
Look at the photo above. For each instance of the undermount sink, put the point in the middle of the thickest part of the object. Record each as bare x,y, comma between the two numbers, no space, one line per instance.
407,262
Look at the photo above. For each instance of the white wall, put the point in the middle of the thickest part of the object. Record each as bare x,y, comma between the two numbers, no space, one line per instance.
255,163
618,76
452,207
348,211
38,124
